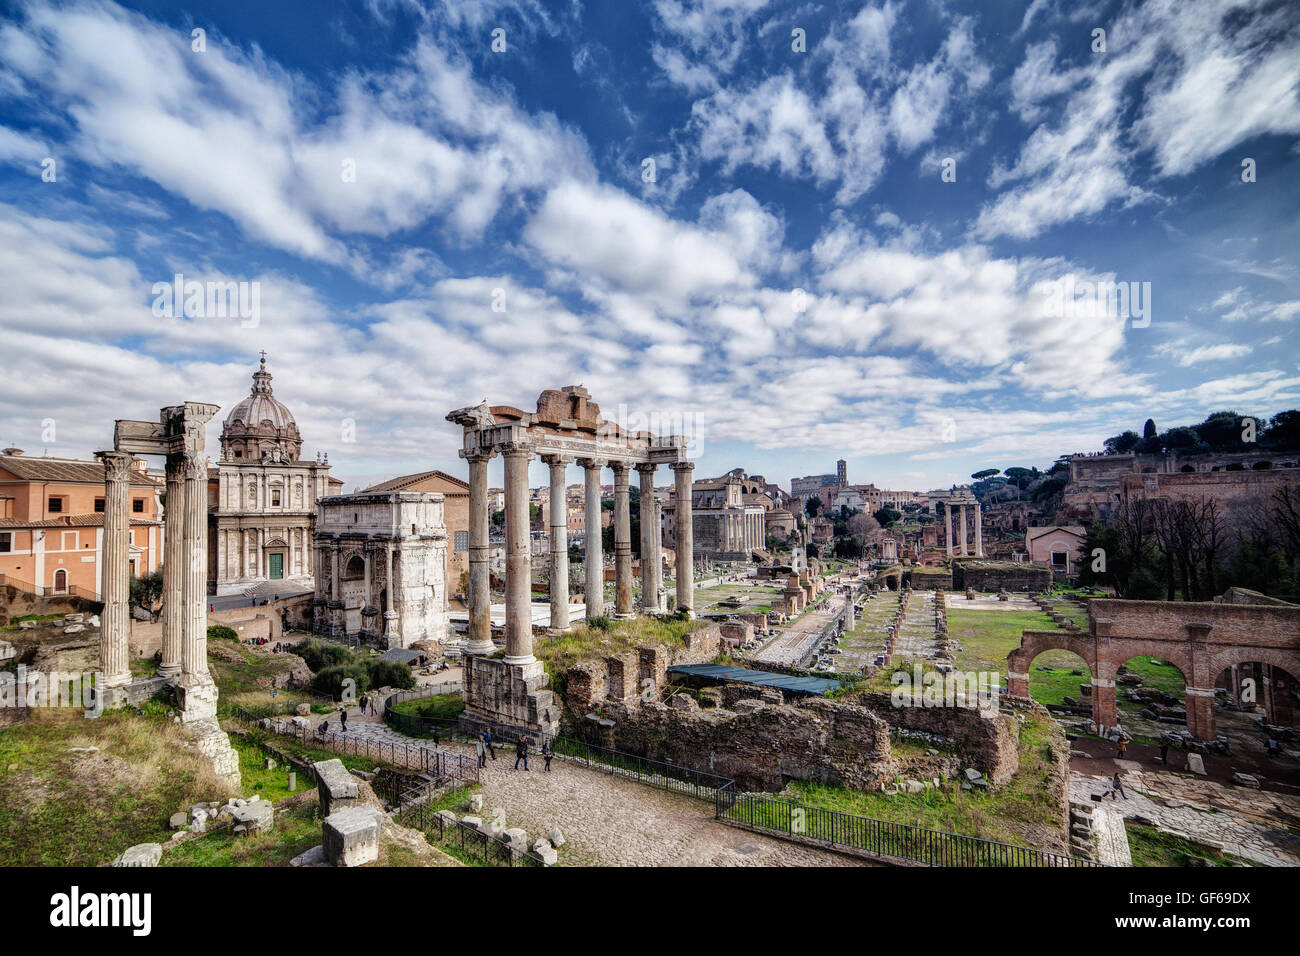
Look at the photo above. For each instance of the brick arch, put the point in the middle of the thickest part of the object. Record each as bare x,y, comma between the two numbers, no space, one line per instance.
1033,643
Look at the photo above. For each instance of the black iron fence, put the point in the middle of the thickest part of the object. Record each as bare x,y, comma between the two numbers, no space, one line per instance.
441,765
884,838
473,842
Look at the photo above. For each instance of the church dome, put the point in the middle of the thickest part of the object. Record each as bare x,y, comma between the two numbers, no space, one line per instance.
260,425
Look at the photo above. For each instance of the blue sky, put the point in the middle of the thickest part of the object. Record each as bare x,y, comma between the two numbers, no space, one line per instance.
431,222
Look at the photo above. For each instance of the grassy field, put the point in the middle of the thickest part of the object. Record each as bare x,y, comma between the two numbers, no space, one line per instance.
66,807
296,831
243,677
1024,812
443,706
1150,847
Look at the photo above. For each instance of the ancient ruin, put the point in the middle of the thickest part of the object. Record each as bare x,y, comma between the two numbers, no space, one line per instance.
178,436
566,428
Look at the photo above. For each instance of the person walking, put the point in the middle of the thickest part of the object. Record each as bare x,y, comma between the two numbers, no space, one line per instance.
1121,747
362,704
521,752
1116,786
547,753
343,719
1164,754
487,742
482,753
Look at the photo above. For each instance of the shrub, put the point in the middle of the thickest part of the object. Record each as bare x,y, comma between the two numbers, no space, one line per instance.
384,673
321,654
600,622
329,681
221,632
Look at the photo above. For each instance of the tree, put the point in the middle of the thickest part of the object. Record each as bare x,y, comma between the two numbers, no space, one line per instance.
147,593
985,473
1150,443
1283,432
812,506
887,516
1122,443
811,550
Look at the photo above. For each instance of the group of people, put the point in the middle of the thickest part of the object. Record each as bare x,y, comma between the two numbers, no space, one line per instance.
486,746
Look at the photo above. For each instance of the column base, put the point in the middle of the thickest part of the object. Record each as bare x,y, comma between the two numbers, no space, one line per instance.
521,661
170,671
197,699
479,650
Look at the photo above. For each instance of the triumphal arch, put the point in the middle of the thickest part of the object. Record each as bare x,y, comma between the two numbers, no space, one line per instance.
510,693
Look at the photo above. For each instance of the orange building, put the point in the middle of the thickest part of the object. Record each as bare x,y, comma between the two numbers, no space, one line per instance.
52,523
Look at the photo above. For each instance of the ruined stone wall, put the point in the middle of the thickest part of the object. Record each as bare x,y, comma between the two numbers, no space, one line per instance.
992,743
622,677
146,638
1000,576
761,748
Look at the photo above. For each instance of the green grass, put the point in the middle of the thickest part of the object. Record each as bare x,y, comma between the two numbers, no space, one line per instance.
271,785
39,618
442,707
1024,812
246,683
1150,847
297,830
255,736
587,642
65,808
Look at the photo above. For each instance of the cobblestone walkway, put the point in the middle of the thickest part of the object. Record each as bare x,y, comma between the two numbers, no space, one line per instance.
1236,820
916,634
610,820
797,640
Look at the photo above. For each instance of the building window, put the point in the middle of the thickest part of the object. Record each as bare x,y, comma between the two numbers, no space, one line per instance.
6,542
56,505
461,542
1059,559
137,505
275,497
99,506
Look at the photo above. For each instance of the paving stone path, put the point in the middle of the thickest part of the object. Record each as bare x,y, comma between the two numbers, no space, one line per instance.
612,821
609,820
916,634
797,639
1246,823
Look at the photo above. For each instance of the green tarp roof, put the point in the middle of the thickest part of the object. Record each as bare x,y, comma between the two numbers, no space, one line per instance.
743,675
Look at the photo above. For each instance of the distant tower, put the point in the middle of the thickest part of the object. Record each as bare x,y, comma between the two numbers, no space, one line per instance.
842,472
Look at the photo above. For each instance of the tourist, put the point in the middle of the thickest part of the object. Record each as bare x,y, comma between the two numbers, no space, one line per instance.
343,719
482,753
521,752
487,742
1121,746
1164,754
323,729
547,753
363,707
1117,787
1274,747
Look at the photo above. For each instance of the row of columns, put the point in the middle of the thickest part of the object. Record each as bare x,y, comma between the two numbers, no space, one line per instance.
519,624
743,531
960,544
185,570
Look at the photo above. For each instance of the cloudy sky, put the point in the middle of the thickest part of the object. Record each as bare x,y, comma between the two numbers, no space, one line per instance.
798,231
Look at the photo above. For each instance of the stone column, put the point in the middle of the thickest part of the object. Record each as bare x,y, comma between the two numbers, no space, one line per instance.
519,609
337,623
979,533
649,559
194,585
115,572
559,586
173,570
961,545
947,527
480,580
389,614
685,542
622,540
594,559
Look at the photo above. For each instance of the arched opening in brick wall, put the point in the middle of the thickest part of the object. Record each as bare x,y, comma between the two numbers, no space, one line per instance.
1061,678
1150,697
1258,689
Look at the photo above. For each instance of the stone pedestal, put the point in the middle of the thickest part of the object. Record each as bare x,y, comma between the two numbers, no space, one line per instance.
351,837
510,698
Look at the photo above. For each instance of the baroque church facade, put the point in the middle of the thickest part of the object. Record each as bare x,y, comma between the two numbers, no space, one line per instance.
262,499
